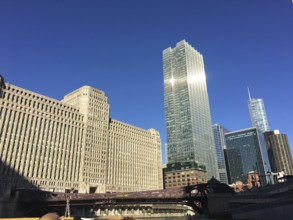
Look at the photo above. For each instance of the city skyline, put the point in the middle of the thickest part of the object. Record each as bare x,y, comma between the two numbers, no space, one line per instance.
55,47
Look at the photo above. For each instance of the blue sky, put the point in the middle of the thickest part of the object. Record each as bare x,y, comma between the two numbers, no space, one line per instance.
53,47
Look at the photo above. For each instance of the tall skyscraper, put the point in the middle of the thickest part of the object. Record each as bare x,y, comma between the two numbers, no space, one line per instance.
187,110
258,114
246,152
93,105
279,152
220,144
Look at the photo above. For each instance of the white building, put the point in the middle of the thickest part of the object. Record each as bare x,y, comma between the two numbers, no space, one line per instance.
73,144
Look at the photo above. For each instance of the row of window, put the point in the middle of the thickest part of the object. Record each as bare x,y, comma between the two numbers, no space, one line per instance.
29,111
19,145
24,97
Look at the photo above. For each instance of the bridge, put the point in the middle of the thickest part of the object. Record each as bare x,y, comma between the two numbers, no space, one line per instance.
176,201
212,198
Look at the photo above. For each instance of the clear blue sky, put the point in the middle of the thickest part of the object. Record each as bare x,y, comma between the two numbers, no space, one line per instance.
55,46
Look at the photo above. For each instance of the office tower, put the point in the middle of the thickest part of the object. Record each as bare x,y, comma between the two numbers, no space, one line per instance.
93,105
258,114
220,144
73,144
245,153
279,152
187,111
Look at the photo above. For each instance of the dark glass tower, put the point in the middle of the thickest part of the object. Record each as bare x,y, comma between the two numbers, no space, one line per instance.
187,110
245,153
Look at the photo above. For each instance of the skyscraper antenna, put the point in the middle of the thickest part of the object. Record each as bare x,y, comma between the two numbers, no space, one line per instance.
248,93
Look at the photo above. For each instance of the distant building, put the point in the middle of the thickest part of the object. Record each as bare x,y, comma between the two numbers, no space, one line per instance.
164,166
253,180
220,144
187,110
250,181
238,186
2,85
279,152
245,153
258,114
183,174
73,144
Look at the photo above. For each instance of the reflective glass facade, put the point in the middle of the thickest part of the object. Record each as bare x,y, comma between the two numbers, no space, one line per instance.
258,115
245,153
187,111
220,144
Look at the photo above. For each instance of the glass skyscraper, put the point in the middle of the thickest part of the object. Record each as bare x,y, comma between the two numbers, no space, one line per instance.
187,110
220,145
246,152
258,114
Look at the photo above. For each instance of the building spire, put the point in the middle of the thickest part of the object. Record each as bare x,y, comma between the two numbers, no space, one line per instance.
248,93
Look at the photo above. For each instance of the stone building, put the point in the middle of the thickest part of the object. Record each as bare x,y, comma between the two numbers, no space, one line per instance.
93,105
73,144
129,173
41,140
279,152
183,174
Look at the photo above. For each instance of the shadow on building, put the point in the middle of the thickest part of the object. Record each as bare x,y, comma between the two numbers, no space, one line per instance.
19,197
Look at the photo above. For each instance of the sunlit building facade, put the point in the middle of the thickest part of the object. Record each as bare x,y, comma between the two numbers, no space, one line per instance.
73,144
41,140
93,105
279,152
135,160
258,116
187,111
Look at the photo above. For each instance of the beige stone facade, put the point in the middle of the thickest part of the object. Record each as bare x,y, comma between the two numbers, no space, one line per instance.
41,140
73,144
129,173
93,104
